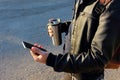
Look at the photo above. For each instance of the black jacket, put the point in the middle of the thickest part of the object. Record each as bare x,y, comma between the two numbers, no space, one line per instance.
91,41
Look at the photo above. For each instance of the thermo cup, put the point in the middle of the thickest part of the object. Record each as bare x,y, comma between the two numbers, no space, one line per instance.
56,38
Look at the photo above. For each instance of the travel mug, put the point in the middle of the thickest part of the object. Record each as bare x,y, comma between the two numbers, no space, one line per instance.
56,38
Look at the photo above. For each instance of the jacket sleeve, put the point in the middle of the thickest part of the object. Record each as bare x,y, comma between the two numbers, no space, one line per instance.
103,45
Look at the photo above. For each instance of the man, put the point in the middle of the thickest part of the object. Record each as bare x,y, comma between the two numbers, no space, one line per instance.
92,38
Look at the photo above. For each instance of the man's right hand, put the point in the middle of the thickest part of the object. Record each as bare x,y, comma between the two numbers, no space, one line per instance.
38,55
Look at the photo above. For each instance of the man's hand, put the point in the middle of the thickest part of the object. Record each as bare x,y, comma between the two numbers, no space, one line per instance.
38,55
50,31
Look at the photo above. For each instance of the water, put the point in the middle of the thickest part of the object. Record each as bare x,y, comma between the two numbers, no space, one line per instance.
16,8
27,19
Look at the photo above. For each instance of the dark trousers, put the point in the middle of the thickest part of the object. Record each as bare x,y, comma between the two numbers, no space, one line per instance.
84,76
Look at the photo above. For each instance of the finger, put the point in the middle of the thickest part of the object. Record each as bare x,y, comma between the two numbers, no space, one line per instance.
36,44
35,50
49,27
33,54
35,57
40,46
50,31
50,34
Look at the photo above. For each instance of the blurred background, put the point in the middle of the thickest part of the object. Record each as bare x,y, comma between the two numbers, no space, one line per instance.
26,20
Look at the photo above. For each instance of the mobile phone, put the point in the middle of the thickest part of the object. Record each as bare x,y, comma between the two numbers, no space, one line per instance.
29,46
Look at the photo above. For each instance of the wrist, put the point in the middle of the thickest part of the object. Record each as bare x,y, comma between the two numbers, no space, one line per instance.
50,60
